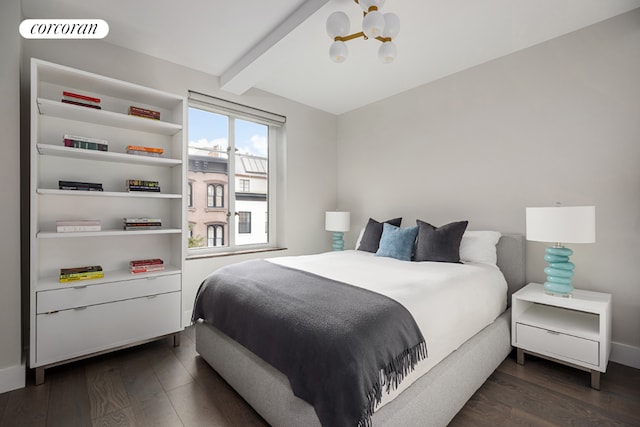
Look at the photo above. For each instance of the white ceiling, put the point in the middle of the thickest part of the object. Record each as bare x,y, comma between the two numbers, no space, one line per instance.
281,46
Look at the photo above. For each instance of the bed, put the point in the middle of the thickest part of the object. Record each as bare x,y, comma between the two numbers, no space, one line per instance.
430,395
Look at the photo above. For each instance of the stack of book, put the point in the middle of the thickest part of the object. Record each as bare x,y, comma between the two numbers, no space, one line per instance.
82,100
142,185
82,186
142,223
70,226
144,112
145,151
85,142
146,265
80,273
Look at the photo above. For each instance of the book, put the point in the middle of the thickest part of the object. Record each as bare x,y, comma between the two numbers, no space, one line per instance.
85,269
142,227
81,273
69,226
146,269
84,276
80,96
141,262
83,104
145,149
77,185
85,145
144,112
141,220
85,138
143,188
144,153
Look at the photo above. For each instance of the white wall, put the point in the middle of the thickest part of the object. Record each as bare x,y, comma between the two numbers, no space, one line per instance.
11,367
307,155
556,122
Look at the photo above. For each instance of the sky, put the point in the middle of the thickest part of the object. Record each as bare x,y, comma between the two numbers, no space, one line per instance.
207,129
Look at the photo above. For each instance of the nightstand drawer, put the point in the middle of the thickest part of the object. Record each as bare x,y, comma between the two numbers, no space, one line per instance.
563,346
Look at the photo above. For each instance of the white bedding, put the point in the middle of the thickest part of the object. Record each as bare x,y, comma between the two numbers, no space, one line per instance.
450,302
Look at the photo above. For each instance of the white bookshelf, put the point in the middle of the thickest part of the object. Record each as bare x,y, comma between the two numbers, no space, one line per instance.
74,320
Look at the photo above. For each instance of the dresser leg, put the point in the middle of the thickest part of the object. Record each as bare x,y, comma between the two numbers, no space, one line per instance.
520,356
39,375
595,380
176,339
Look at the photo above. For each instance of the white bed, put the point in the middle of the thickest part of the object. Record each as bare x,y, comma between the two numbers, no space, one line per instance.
463,320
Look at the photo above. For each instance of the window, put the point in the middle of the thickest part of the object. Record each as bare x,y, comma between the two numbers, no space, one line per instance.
215,235
215,196
232,152
244,222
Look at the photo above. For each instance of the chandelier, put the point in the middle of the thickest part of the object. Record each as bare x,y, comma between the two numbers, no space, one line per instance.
375,25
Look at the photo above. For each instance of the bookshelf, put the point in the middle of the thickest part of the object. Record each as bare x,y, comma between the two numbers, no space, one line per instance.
74,320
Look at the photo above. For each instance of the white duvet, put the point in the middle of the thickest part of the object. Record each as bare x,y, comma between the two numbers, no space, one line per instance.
450,302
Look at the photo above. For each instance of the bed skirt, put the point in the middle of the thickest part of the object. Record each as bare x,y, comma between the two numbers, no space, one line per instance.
433,400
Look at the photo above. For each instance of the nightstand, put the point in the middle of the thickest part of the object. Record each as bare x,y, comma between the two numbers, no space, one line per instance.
575,331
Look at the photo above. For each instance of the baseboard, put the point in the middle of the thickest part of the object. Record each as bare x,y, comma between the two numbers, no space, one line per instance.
625,354
12,378
186,318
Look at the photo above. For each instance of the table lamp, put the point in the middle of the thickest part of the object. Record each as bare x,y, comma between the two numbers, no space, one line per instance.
560,224
338,222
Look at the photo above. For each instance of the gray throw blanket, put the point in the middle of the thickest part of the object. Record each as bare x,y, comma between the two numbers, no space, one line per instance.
338,344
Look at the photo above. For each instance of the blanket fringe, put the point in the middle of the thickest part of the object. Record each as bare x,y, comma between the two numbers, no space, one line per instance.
390,376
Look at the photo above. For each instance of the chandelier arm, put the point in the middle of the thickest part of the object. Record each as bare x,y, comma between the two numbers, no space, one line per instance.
349,37
383,39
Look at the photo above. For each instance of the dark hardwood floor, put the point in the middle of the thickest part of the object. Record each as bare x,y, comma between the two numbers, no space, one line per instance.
158,385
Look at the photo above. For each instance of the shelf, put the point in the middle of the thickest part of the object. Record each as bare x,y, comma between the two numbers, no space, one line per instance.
570,322
104,233
48,107
132,194
50,283
105,156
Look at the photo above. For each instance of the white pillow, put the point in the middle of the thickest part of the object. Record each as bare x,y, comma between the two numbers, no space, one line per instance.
360,237
479,246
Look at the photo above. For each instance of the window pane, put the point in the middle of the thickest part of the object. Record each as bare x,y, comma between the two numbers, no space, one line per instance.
252,181
209,176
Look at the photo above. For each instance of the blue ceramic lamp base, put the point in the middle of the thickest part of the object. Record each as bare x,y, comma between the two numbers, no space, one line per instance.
338,242
559,271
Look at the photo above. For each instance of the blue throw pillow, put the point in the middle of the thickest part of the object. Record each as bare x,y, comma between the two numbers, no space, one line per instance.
397,242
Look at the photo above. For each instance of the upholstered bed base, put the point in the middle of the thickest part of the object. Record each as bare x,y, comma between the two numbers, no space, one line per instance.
433,400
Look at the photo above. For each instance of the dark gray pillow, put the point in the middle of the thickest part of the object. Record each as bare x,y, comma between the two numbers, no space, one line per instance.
373,231
439,243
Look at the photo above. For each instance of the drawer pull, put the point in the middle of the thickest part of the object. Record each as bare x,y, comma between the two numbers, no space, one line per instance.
151,296
553,332
80,308
80,287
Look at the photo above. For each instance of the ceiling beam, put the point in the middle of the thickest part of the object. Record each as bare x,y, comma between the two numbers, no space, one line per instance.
245,72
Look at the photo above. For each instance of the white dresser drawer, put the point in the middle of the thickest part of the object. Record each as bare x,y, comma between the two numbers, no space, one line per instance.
82,296
76,332
563,346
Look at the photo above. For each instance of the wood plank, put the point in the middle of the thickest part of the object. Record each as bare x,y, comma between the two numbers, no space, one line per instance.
27,406
69,396
123,417
106,390
198,406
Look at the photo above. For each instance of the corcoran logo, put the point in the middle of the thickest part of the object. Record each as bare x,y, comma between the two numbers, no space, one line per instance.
64,29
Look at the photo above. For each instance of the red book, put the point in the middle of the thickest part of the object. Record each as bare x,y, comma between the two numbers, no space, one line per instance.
84,104
78,96
138,262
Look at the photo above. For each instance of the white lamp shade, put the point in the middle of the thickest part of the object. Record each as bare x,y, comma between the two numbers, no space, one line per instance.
373,24
338,52
338,24
365,4
391,25
377,3
562,224
387,52
337,221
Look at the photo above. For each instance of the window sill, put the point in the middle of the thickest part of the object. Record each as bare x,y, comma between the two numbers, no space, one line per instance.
232,253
